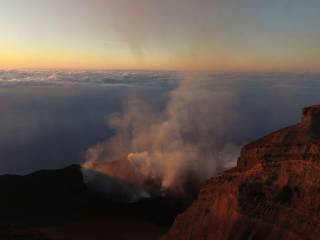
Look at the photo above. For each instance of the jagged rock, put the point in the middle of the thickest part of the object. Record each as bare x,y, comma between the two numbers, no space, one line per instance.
298,142
273,193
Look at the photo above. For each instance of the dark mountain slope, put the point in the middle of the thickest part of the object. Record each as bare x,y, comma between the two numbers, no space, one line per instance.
57,192
58,204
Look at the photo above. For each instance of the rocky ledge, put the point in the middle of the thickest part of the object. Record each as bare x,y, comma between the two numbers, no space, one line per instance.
273,193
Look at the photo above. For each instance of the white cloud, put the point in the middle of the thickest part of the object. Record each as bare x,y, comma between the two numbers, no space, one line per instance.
124,78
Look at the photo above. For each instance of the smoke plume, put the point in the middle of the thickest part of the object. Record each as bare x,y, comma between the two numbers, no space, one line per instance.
184,141
199,28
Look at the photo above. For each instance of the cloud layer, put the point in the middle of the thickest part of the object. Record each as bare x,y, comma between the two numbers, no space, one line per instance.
94,78
49,118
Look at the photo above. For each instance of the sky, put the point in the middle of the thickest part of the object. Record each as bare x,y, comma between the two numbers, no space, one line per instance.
249,35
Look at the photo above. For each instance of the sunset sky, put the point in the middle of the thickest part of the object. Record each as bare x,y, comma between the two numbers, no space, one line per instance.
161,34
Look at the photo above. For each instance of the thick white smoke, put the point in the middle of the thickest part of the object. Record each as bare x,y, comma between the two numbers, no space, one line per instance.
183,142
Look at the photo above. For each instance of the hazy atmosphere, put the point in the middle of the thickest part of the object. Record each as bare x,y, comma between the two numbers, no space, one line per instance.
167,34
159,119
50,118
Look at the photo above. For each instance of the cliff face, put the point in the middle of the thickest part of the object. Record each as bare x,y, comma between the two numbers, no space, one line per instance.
299,142
273,193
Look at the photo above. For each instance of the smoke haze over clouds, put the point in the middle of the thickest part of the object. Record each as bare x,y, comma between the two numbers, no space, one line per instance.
186,139
50,118
201,129
49,122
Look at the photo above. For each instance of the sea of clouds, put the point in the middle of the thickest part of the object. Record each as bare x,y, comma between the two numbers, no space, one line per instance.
50,119
61,77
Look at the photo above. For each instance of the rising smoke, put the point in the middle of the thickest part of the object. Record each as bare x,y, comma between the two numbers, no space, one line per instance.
185,34
190,138
184,141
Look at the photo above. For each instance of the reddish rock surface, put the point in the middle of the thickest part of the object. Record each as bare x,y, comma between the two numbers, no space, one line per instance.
298,142
273,193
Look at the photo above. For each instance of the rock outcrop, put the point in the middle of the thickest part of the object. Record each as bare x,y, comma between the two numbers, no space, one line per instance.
298,142
273,193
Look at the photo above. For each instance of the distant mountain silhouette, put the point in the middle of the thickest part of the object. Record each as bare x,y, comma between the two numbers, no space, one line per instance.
48,198
47,192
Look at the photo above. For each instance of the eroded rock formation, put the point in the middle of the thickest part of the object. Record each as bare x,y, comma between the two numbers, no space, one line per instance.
273,193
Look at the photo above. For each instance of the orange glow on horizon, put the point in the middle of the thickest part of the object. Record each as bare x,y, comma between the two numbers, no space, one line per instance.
75,59
160,35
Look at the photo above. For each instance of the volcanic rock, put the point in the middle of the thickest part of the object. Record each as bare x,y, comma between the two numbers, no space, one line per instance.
298,142
273,193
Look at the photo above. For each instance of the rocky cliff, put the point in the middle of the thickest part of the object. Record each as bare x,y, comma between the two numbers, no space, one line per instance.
273,193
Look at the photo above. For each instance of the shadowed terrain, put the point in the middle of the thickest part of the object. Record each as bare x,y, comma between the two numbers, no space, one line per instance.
57,204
